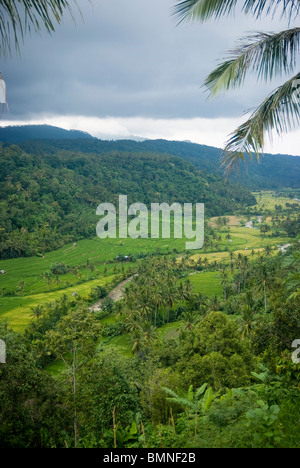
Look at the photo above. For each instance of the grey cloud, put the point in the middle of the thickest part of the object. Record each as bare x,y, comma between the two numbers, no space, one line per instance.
125,59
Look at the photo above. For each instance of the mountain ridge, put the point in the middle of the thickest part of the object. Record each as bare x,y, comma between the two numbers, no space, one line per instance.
274,171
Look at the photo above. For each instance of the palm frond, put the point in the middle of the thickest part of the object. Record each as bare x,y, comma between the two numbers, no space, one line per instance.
280,112
204,10
19,16
289,8
265,53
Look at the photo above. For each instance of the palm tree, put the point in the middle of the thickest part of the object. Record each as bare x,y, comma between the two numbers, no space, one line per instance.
247,321
215,303
232,257
185,290
268,55
143,303
37,311
197,302
158,301
268,250
189,317
244,270
48,278
264,281
137,340
148,332
20,16
237,280
224,282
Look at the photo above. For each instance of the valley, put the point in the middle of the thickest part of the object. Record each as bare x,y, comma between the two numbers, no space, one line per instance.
110,340
92,262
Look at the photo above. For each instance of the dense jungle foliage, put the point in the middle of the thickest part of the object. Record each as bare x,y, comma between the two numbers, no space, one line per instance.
224,379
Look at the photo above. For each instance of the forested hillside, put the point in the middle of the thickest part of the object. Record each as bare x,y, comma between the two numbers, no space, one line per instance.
272,172
19,133
50,196
193,371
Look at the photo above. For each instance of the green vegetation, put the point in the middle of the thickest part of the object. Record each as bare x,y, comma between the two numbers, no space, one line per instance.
171,368
274,172
30,281
133,343
49,199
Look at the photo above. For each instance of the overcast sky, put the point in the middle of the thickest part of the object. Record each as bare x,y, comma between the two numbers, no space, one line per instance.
126,68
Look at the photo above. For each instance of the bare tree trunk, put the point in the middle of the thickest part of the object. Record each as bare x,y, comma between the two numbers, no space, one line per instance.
265,296
75,404
115,427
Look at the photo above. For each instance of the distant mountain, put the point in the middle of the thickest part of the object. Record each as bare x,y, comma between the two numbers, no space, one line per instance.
20,133
272,172
109,137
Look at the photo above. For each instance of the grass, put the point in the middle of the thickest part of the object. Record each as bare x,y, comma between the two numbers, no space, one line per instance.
268,200
231,220
27,288
97,251
208,283
122,343
17,310
170,331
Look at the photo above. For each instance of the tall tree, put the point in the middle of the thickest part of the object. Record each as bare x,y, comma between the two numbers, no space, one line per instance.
74,341
264,281
268,55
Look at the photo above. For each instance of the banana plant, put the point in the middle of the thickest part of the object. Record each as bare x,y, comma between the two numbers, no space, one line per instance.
193,402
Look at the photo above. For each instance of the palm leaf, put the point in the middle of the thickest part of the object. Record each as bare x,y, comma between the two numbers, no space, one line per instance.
204,10
20,16
265,53
181,401
280,111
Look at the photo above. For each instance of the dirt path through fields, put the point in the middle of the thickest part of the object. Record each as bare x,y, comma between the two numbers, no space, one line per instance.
116,294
